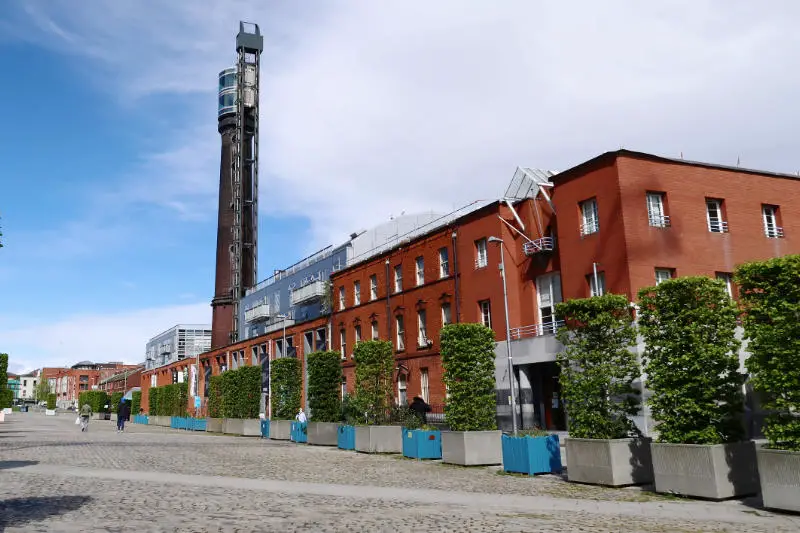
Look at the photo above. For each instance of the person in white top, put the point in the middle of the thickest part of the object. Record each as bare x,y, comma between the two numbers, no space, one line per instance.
301,416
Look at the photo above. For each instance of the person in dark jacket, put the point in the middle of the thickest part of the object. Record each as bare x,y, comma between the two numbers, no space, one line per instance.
419,406
123,414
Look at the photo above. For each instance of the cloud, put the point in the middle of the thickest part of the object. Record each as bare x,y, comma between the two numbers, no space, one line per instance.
97,337
370,108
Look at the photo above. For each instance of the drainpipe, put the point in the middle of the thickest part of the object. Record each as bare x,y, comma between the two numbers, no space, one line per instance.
455,275
388,305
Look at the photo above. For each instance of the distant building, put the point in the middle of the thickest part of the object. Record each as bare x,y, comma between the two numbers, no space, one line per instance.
13,385
122,381
27,385
184,341
68,383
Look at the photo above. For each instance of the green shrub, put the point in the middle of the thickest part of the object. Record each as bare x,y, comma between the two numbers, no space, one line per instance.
228,400
597,367
770,296
324,382
215,397
136,402
691,360
169,400
51,401
241,392
468,360
6,394
152,401
116,397
96,399
374,384
286,388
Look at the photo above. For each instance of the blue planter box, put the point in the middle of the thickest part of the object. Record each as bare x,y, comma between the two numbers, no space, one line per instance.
140,419
532,455
346,439
197,424
299,432
422,444
265,429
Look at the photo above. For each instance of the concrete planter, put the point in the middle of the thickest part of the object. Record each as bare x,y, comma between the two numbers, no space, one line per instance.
7,410
113,417
779,473
613,462
214,425
163,421
233,426
280,429
323,433
472,448
714,472
379,439
2,416
251,427
50,412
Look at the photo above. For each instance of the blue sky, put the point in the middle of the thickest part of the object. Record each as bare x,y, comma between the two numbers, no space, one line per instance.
109,156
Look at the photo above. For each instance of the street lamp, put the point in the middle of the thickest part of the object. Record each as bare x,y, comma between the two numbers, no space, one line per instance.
508,334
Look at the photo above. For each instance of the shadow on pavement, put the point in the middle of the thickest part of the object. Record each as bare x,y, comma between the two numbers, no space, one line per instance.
18,511
5,465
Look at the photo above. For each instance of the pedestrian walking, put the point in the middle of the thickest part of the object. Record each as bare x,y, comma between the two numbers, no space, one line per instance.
123,414
421,408
86,413
301,416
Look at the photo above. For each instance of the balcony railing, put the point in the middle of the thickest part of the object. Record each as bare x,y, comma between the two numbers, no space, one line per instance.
773,232
659,221
717,225
590,228
545,244
536,330
312,291
257,312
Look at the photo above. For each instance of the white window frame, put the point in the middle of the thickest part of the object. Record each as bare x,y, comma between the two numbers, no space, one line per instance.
444,263
400,332
373,287
714,216
375,331
663,274
769,216
485,309
356,293
601,281
357,333
481,253
590,222
343,343
344,387
422,328
424,384
419,263
447,315
341,298
398,278
402,391
727,279
655,210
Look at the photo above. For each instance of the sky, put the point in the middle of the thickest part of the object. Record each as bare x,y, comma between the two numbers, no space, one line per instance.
109,158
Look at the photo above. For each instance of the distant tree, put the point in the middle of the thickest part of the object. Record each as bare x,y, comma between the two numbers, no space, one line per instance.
42,390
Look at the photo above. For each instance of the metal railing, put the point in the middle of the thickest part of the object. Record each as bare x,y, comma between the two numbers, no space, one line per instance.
717,225
659,221
536,330
257,312
545,244
773,232
481,263
588,229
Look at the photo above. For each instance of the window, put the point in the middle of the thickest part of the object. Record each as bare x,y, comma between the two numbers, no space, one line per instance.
373,287
422,332
402,397
589,221
401,332
356,292
423,384
548,293
344,387
727,279
322,339
341,298
714,216
663,274
446,316
375,333
398,278
770,215
481,254
254,355
444,263
420,262
597,287
357,331
485,309
343,343
655,210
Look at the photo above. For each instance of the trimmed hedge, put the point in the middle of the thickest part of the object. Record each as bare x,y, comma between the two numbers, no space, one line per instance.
286,387
116,397
136,402
374,384
215,397
169,400
468,360
241,392
51,401
96,399
691,360
324,383
152,401
6,394
770,294
598,368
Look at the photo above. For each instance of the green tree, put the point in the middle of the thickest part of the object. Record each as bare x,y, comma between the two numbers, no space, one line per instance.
770,296
6,394
374,372
51,401
96,399
286,393
468,360
136,402
324,381
598,367
241,392
116,397
691,360
215,397
42,390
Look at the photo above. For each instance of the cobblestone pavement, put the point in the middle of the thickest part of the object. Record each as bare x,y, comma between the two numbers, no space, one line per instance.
55,478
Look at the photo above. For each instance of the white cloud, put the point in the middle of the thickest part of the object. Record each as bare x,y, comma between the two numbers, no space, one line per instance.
370,108
95,337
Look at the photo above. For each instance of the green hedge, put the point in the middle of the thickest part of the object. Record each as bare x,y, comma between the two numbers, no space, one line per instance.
136,402
215,397
598,367
324,383
770,296
51,401
96,399
152,401
241,392
374,390
116,397
468,360
6,394
286,387
691,360
169,400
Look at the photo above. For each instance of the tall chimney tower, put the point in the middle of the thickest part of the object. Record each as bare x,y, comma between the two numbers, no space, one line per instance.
237,223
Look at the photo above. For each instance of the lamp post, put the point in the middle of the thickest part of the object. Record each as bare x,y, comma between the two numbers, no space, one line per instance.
508,334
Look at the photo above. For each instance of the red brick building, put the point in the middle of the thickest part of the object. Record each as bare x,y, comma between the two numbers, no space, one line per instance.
68,383
122,381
